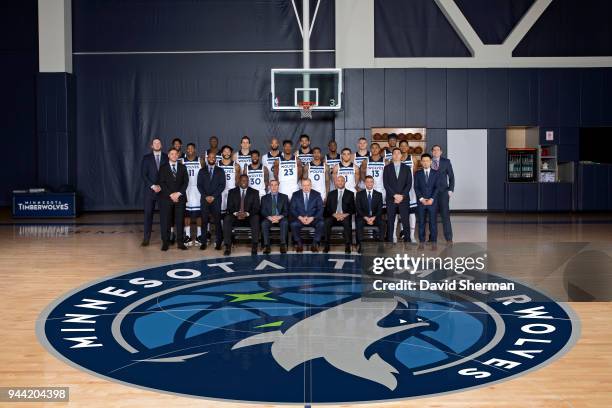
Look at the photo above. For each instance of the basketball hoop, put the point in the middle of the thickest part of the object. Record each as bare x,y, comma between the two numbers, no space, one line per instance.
306,109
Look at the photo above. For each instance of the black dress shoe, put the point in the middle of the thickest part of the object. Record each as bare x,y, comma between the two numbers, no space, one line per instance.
182,247
144,243
347,249
359,250
299,249
326,248
421,245
314,248
203,246
283,249
164,246
218,247
254,249
172,238
227,251
266,249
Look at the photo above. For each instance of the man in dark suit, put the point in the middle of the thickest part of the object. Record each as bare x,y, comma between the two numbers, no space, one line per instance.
397,179
211,183
426,189
173,181
369,204
445,189
274,211
339,210
149,171
242,208
306,208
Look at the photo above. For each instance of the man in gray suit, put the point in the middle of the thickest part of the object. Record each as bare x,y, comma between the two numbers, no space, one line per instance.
445,189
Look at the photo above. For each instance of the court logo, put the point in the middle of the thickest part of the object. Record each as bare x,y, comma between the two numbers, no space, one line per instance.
294,329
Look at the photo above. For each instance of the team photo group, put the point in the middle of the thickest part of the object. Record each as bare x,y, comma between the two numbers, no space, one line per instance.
296,192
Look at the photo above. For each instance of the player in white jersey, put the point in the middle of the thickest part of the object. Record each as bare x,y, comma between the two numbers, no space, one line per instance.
331,159
318,174
392,141
269,159
213,143
360,156
243,155
192,209
347,168
232,173
288,171
374,166
407,160
259,177
304,153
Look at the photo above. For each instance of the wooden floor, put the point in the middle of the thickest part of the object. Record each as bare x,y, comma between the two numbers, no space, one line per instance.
40,262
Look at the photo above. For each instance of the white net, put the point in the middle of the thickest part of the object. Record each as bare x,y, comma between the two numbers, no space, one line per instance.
306,111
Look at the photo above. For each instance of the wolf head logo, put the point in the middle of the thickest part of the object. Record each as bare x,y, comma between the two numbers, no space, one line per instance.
329,335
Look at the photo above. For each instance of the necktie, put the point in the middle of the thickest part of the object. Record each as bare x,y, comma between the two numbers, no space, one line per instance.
157,161
435,165
306,201
174,170
210,170
274,205
426,177
370,203
242,201
397,171
339,205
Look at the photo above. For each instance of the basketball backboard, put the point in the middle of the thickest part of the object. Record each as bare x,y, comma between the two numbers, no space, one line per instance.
290,87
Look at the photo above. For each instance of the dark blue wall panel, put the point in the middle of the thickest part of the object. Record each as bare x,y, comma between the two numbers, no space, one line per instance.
416,95
353,108
569,97
548,96
457,98
497,98
523,97
496,169
374,97
591,96
395,97
18,68
436,137
436,98
477,98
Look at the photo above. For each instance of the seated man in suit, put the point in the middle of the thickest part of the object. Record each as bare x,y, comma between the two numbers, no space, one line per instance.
242,208
369,204
173,182
339,210
426,188
274,211
211,183
397,179
306,208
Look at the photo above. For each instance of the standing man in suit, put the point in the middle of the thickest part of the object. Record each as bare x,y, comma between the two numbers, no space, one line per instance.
397,179
173,181
274,211
369,204
339,210
149,171
242,208
211,183
306,208
445,189
426,189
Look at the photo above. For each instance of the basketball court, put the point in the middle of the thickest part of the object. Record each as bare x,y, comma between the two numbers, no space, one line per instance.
509,309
